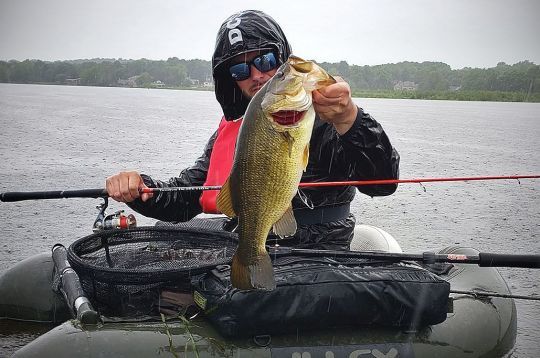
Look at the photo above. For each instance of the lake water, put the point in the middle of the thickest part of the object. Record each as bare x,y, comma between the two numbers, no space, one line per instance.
59,137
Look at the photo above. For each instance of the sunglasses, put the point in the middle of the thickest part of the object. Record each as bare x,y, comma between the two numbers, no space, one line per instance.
264,63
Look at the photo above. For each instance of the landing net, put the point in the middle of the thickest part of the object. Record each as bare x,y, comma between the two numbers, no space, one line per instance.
125,270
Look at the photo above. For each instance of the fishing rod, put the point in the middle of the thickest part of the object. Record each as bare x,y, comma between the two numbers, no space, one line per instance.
418,180
102,193
495,294
482,259
357,182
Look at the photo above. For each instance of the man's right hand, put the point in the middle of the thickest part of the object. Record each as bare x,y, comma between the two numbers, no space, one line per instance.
124,187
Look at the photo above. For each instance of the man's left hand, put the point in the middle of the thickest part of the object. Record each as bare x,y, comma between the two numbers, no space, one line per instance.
334,105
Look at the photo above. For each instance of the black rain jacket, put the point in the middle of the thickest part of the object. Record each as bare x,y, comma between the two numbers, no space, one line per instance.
363,153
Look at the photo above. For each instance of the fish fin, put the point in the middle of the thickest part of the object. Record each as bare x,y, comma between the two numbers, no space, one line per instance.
259,275
326,82
223,201
318,81
303,67
306,157
286,225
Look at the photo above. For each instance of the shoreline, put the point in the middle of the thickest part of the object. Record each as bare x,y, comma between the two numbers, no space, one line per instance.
471,96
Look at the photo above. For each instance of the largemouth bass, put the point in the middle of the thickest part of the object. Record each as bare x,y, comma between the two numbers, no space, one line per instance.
271,153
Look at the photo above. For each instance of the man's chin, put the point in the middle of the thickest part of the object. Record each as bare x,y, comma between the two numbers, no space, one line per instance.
254,90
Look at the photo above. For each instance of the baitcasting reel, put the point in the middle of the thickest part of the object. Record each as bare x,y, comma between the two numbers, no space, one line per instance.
112,221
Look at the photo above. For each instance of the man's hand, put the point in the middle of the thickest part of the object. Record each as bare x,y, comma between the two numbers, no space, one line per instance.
334,105
124,187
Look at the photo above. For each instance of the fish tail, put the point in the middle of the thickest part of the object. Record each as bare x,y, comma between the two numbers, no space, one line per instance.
259,275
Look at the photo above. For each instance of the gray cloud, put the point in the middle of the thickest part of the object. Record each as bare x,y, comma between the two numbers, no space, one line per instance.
458,32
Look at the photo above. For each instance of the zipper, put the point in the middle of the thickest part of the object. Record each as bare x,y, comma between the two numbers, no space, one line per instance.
297,265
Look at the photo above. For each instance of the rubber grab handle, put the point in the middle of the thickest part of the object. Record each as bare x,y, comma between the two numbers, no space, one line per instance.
71,288
505,260
54,194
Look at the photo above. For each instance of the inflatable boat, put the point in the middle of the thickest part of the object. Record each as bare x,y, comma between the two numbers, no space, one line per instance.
473,325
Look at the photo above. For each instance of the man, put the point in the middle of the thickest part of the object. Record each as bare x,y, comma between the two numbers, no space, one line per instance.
346,144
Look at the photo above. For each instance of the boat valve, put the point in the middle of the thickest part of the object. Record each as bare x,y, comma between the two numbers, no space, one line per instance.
118,220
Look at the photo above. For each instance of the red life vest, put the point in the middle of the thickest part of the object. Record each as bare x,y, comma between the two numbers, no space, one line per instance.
221,160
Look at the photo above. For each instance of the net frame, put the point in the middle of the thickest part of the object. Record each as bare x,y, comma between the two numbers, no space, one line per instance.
124,271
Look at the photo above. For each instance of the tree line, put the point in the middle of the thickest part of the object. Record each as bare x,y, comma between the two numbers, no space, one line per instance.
107,72
400,80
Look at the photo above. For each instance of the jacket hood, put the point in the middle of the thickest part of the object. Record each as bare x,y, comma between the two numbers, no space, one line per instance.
243,32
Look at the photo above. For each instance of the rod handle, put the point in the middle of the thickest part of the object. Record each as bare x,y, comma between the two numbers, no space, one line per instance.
504,260
53,194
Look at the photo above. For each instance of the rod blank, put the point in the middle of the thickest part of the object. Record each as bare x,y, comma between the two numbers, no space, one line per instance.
483,259
102,193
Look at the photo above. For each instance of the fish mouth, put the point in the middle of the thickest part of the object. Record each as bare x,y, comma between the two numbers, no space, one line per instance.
287,118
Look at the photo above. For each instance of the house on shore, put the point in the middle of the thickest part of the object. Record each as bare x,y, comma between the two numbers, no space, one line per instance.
158,84
130,82
73,81
405,86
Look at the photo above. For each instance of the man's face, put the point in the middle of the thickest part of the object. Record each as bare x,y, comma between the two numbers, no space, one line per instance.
257,79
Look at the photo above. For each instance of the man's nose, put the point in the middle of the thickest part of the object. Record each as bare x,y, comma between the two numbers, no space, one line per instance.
255,73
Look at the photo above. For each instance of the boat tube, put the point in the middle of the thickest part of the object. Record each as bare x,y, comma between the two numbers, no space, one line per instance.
475,326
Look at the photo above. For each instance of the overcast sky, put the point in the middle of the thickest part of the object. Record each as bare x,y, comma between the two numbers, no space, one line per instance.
474,33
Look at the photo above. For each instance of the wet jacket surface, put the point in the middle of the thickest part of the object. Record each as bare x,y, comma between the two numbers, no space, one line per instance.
362,153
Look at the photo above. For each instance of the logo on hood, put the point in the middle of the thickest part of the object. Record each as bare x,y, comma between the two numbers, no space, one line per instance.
242,32
234,34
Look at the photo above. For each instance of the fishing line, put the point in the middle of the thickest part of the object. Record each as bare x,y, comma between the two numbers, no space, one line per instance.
304,198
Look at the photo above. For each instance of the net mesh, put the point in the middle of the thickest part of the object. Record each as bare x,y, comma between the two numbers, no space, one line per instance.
124,271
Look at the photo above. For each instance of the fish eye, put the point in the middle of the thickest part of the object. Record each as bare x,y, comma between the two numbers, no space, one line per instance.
279,74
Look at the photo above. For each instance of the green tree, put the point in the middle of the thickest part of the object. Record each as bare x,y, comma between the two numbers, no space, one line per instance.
198,69
144,80
89,74
22,71
4,71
